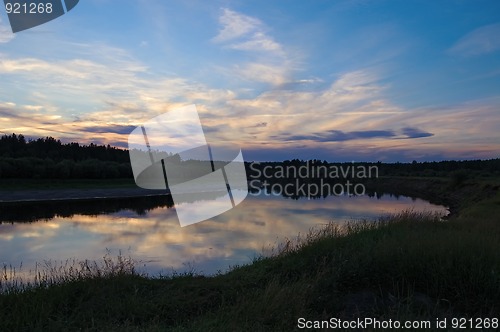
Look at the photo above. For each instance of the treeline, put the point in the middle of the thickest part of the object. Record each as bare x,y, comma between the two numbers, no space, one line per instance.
426,169
442,168
49,158
325,178
16,146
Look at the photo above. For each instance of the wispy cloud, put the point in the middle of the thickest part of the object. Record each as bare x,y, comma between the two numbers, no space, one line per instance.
341,136
482,40
270,63
236,25
259,42
245,33
115,129
415,133
262,72
6,34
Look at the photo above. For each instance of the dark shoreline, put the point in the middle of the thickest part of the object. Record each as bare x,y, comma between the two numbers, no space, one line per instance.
36,204
62,195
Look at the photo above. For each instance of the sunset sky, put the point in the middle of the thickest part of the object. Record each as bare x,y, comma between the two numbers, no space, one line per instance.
336,80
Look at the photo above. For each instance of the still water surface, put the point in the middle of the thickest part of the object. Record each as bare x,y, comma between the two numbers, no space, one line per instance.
155,238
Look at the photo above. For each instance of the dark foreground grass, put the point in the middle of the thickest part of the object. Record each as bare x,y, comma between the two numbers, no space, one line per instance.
405,267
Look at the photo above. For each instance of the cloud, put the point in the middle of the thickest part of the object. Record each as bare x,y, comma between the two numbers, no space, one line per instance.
116,129
268,62
259,42
480,41
6,34
207,129
115,86
340,136
415,133
245,33
354,113
260,125
235,25
265,73
30,120
100,99
351,101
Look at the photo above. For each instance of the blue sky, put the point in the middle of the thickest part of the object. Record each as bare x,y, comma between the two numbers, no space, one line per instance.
335,80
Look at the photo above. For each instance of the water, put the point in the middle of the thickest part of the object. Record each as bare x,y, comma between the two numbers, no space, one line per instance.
153,235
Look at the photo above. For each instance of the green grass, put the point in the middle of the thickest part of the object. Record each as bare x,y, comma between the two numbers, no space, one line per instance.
408,266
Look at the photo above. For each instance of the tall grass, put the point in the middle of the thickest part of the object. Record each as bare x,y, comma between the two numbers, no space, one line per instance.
51,273
334,230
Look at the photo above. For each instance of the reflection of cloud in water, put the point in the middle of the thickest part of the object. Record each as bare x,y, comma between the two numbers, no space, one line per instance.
232,238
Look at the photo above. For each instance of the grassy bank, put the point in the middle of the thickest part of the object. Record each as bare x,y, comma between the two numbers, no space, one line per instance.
408,266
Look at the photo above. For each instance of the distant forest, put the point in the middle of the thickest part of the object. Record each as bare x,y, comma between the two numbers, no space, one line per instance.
49,158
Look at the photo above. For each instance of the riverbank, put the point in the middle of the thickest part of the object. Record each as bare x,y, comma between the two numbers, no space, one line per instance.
439,190
407,267
63,195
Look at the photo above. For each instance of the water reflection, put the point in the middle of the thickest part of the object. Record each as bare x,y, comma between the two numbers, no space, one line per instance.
45,210
153,235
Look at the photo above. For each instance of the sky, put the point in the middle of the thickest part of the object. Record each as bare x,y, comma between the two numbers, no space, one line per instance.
354,80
